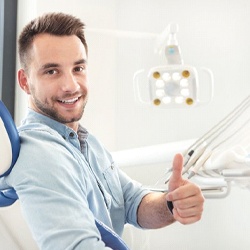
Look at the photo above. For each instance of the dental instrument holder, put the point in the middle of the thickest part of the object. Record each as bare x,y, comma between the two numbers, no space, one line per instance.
174,85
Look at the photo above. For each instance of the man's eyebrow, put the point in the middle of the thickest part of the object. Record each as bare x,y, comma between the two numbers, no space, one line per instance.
81,61
50,65
55,65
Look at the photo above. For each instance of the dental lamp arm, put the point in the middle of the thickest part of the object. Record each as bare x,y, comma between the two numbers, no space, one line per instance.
168,42
186,197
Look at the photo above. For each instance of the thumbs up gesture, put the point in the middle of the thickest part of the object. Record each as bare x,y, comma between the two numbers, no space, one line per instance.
186,197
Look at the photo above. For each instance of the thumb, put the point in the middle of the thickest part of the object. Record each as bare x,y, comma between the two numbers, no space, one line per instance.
176,179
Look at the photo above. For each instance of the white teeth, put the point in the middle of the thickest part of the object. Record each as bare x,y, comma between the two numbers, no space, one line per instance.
69,101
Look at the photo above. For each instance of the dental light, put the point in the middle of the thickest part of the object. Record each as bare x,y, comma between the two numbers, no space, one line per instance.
174,85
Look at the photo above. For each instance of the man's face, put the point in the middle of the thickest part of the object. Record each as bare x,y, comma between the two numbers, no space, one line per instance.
56,78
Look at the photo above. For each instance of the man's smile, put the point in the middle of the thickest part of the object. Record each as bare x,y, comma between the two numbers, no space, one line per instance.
69,101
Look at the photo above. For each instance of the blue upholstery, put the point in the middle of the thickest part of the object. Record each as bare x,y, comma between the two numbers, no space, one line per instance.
11,130
9,196
111,239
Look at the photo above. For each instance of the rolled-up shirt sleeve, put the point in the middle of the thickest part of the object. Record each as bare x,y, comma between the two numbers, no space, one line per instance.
133,193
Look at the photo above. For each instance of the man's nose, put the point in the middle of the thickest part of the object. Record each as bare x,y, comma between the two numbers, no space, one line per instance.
70,83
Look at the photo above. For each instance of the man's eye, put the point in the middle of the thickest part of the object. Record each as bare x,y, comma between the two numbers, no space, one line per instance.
51,72
79,69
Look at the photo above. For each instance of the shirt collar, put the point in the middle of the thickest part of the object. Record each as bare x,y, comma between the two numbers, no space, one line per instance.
63,130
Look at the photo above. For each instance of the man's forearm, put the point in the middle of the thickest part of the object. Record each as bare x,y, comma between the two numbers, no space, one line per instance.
153,211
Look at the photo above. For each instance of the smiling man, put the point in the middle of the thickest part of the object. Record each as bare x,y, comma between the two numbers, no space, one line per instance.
56,77
64,177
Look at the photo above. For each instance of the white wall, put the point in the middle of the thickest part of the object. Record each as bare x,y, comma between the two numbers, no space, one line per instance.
212,33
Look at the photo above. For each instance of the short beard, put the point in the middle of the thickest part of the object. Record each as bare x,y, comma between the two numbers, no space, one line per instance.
45,109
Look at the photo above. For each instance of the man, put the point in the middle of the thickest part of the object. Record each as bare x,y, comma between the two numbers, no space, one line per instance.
64,177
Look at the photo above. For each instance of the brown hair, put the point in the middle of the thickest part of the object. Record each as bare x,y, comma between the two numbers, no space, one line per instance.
58,24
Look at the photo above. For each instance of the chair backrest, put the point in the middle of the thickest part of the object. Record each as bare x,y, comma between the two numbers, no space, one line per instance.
9,151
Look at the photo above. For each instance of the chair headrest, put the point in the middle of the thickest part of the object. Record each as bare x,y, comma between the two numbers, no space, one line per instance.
9,151
9,143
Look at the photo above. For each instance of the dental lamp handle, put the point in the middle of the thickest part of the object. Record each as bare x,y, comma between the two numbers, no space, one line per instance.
136,85
209,73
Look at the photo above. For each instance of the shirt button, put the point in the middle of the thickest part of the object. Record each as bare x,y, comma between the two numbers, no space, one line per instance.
71,134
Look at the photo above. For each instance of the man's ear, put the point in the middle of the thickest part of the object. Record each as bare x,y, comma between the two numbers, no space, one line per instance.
23,81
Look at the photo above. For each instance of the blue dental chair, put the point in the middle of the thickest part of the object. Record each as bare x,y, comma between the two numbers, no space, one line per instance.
9,151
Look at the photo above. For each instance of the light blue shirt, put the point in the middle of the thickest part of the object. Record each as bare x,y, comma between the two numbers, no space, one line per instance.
62,190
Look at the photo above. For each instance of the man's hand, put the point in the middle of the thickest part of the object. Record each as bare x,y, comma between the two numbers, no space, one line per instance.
186,196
